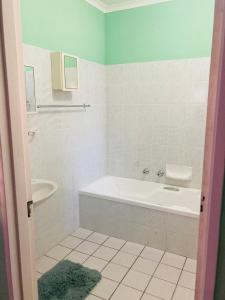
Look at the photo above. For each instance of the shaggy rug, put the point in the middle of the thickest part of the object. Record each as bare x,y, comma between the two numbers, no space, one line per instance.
67,281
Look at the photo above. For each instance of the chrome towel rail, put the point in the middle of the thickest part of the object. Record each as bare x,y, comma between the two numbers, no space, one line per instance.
63,106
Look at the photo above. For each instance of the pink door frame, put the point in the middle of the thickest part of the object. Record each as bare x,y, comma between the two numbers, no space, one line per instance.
4,226
213,173
18,228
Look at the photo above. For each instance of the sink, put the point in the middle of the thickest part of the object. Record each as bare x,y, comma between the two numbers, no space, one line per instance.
42,189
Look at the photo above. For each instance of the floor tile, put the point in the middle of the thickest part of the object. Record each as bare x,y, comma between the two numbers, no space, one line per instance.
87,247
114,272
173,260
92,297
97,238
132,248
136,280
187,280
145,266
44,264
124,259
71,242
190,265
104,288
149,297
58,252
77,257
124,292
161,289
167,273
152,253
114,243
105,253
82,233
95,263
182,293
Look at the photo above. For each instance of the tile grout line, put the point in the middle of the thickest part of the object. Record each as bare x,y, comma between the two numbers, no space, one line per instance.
82,240
152,276
143,292
178,280
86,239
120,283
75,249
47,257
110,261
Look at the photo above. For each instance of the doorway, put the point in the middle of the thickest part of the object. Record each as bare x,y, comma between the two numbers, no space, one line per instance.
60,120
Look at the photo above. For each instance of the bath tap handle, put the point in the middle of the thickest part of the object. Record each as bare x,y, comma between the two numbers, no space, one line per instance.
160,173
146,171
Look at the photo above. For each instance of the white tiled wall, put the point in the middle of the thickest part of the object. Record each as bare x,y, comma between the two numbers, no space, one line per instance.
156,115
70,146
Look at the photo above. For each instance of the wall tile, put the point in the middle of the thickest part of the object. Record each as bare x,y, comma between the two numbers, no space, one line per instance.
159,116
70,147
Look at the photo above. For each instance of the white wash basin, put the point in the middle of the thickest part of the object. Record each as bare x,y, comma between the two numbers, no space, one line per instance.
42,189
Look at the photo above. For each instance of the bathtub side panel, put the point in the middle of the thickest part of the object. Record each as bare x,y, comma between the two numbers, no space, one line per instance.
168,232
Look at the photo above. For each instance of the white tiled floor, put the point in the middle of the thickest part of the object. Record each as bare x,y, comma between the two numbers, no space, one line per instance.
129,271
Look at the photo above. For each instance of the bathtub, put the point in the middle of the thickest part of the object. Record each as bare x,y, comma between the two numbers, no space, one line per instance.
154,214
180,201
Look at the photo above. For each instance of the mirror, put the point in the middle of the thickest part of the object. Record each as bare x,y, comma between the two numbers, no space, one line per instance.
70,71
30,89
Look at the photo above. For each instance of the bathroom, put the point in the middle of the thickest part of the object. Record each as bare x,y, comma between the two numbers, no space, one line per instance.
116,149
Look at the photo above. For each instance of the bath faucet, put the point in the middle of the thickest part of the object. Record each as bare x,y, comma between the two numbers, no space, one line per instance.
160,173
146,171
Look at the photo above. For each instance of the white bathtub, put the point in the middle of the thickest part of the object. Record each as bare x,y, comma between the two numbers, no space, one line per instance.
181,201
142,212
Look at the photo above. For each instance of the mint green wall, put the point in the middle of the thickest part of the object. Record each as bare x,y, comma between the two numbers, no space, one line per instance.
170,30
71,26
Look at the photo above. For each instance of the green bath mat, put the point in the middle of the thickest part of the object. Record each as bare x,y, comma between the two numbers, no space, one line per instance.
67,281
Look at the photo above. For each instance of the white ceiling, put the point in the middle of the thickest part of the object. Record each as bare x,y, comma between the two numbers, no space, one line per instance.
115,5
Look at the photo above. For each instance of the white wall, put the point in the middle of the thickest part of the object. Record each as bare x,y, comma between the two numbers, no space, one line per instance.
70,147
156,115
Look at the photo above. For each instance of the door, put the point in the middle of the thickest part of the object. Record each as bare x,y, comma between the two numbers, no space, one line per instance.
213,172
15,181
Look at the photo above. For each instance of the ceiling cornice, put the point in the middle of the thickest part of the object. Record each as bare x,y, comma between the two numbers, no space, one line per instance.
98,4
127,4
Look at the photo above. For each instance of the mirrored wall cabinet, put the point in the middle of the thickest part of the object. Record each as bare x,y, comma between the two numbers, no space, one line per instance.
31,102
64,71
